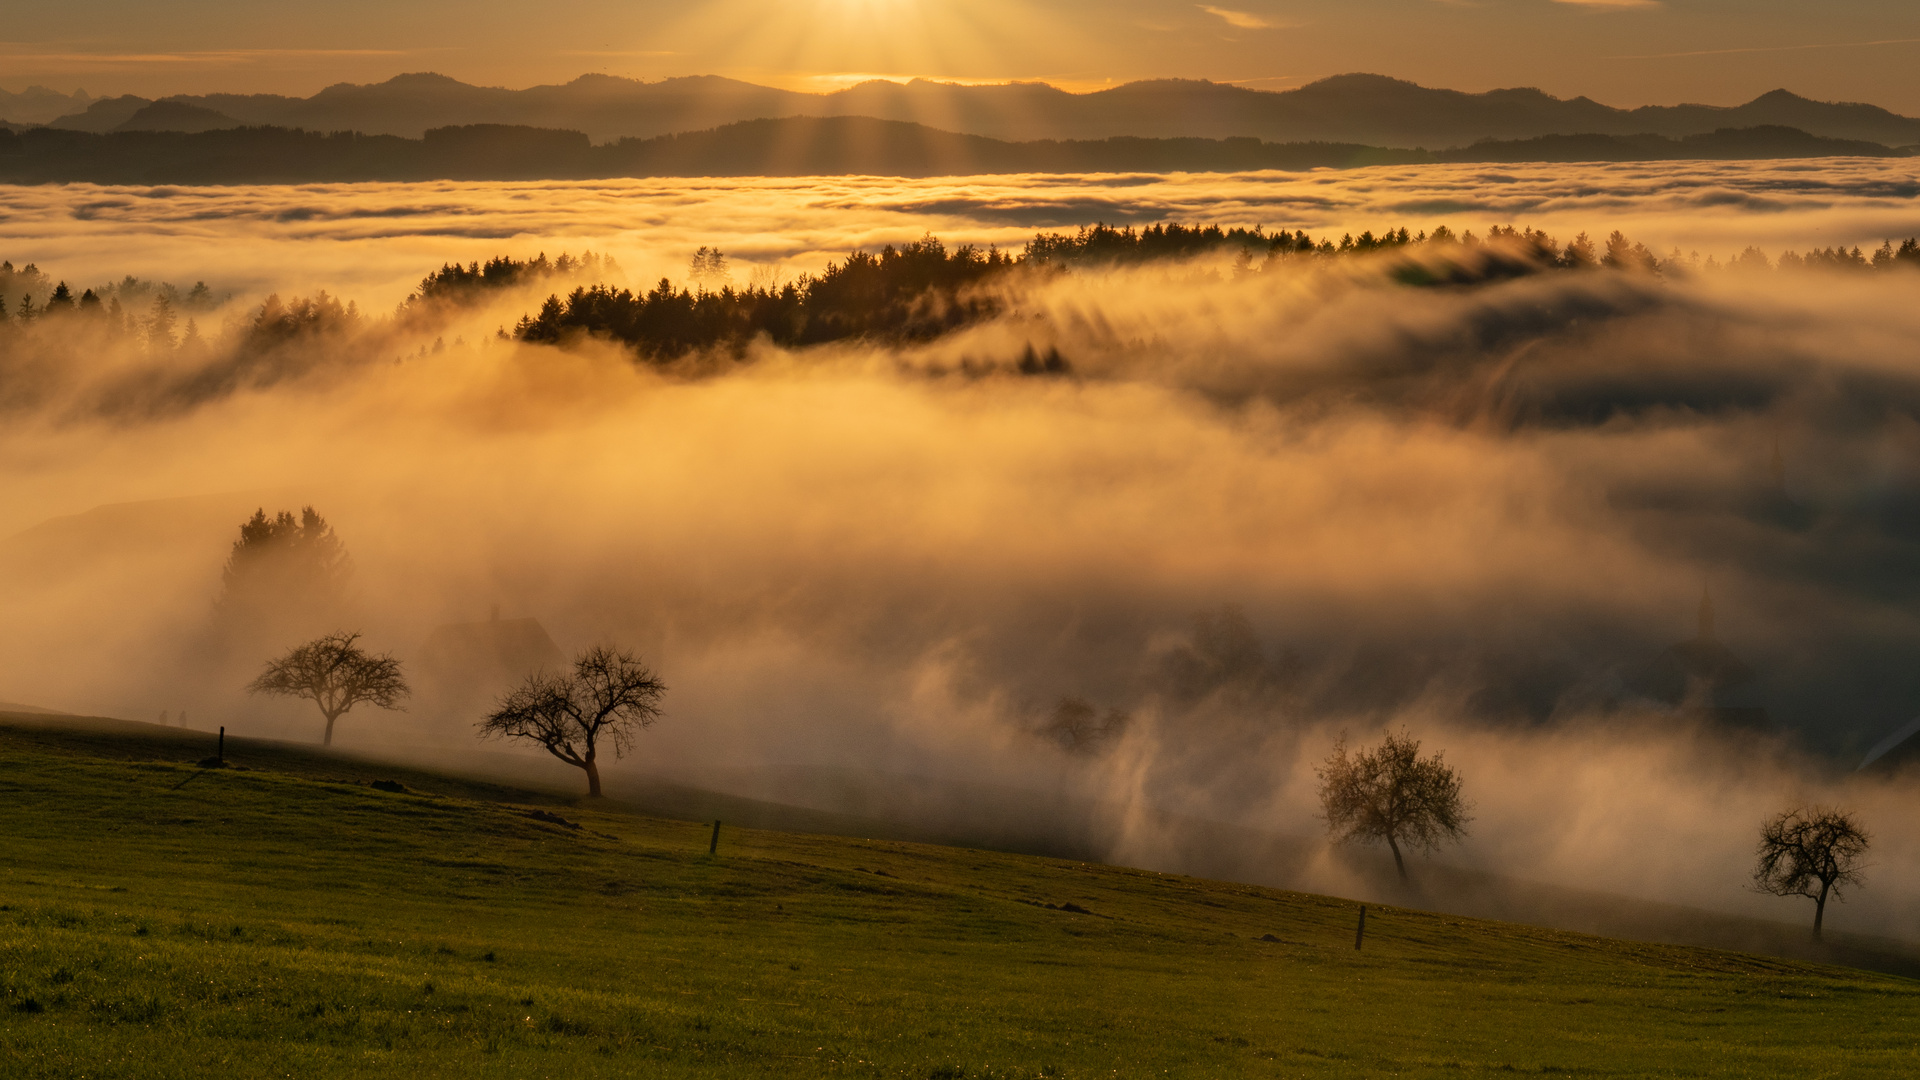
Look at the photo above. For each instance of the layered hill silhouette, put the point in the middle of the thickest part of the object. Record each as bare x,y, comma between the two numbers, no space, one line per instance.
1365,109
792,146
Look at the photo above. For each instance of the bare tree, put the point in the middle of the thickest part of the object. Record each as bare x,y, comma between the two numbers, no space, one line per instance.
1391,793
335,674
1080,729
1802,847
607,696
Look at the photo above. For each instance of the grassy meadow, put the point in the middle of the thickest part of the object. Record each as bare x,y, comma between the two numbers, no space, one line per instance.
286,919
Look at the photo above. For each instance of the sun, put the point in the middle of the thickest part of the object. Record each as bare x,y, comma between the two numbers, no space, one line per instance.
798,44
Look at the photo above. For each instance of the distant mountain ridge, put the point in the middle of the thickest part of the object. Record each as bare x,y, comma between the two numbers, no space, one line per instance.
1365,109
37,104
793,146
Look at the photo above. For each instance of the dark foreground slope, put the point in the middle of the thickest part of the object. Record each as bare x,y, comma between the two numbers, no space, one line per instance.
793,146
161,920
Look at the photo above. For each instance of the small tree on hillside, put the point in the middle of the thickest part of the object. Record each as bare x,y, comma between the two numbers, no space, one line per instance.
335,674
607,696
1391,793
1812,852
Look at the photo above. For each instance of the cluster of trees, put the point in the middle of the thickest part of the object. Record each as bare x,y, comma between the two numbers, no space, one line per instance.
606,698
131,308
459,285
909,292
286,562
283,562
915,291
1103,243
161,319
921,290
1885,257
1387,794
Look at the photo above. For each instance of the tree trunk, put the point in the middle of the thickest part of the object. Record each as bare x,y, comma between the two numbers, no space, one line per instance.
593,779
1820,909
327,739
1398,863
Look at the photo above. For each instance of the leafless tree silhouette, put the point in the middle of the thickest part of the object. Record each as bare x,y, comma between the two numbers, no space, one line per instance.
1080,729
1808,846
1391,793
335,674
607,696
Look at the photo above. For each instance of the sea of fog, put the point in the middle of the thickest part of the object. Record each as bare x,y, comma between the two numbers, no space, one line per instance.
374,241
1264,510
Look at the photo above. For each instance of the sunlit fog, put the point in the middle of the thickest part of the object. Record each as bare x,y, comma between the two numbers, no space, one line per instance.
1128,597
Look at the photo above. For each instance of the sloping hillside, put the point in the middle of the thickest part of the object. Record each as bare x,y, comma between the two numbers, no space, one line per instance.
158,919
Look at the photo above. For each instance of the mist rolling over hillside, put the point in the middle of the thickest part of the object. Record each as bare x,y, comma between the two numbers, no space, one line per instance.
1259,506
959,539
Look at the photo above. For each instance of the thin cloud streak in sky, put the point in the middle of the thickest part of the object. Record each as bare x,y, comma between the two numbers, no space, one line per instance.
1242,19
1763,48
217,56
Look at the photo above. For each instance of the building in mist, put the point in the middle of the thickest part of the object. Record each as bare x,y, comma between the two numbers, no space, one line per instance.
1706,681
462,668
1699,679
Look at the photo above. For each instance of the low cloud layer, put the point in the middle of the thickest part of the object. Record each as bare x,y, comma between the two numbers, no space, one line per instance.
1262,510
371,242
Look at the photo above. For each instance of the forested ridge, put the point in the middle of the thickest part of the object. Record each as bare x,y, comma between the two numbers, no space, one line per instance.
923,289
915,291
789,146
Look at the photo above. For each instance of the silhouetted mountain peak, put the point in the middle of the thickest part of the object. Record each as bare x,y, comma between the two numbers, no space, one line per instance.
104,114
1531,95
170,115
418,85
599,80
1187,85
426,80
1364,80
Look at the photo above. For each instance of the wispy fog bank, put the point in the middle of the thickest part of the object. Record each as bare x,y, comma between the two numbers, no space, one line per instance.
1261,510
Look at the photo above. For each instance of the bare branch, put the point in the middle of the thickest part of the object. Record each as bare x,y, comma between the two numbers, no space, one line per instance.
335,674
607,696
1813,852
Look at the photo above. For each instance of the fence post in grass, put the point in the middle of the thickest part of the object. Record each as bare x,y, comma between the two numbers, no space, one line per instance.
220,749
713,846
1360,933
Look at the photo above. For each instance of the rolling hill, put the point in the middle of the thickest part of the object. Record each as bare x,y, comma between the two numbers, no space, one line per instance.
286,915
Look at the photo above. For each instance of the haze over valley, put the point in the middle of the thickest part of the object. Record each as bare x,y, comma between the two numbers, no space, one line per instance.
892,538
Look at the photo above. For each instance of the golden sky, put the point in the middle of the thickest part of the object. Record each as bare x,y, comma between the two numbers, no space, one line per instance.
1622,52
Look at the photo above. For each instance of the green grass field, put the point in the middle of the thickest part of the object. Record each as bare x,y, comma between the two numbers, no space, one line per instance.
161,920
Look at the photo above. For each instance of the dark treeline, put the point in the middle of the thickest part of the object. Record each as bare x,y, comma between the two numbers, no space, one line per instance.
457,284
794,146
912,292
922,290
